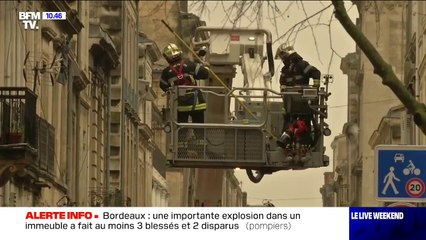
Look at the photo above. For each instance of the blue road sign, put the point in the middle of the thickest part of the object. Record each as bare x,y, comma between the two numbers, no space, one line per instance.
400,173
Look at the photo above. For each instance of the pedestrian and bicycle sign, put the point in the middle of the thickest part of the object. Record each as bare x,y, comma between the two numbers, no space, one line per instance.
400,173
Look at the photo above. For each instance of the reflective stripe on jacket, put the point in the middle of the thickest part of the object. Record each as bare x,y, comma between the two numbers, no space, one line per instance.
298,72
183,74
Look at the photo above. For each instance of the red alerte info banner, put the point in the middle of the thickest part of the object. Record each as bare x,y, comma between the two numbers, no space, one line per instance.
179,223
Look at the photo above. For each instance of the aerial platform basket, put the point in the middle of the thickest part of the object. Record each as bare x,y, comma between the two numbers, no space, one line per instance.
247,136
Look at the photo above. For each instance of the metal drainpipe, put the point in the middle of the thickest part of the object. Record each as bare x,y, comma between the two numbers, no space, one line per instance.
82,15
77,149
13,51
136,159
123,128
15,60
69,135
7,39
144,120
80,61
349,174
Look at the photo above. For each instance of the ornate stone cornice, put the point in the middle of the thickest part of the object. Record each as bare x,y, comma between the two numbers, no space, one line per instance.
14,159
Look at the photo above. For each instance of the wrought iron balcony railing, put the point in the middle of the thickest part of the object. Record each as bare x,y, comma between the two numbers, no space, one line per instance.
17,116
27,142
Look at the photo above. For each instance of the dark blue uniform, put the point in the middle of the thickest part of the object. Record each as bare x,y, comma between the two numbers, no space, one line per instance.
296,72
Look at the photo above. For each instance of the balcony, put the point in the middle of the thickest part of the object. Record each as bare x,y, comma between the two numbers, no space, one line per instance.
160,161
131,102
72,24
17,131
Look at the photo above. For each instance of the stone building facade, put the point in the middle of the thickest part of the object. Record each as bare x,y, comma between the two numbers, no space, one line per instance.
378,117
77,122
48,65
82,124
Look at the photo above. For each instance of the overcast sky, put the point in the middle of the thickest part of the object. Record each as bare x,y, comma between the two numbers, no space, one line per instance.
298,188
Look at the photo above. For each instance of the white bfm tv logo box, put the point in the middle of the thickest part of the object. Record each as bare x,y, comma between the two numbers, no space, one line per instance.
30,19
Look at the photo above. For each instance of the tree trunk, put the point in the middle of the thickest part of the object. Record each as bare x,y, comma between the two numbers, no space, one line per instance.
381,67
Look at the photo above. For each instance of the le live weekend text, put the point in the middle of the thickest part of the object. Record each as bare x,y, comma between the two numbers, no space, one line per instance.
377,215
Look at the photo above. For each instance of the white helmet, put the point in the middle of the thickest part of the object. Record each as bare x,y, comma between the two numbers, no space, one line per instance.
284,51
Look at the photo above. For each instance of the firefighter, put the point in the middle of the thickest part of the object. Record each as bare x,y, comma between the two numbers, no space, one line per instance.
191,102
295,72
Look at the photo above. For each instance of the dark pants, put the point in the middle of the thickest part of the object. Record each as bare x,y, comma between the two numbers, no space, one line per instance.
197,117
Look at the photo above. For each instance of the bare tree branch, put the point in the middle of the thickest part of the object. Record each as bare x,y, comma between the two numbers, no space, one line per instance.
300,29
239,10
242,9
273,20
226,13
312,31
333,51
381,67
302,21
277,10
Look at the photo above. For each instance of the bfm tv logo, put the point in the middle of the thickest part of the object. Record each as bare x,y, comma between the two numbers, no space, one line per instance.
30,19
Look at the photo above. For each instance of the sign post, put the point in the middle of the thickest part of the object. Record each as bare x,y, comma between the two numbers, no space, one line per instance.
400,173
